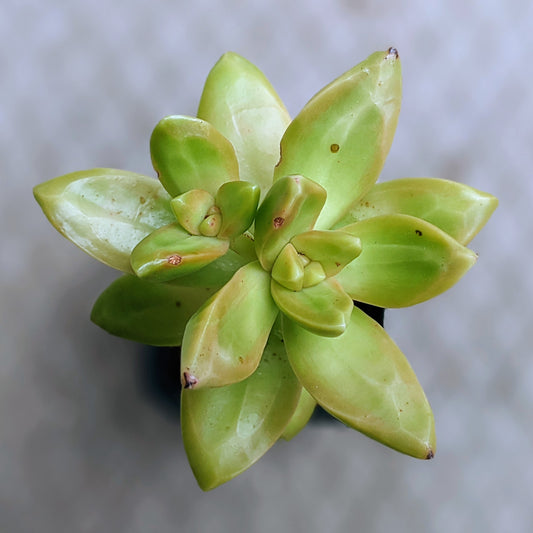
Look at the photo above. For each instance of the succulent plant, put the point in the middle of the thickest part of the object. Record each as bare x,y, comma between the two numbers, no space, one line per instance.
252,246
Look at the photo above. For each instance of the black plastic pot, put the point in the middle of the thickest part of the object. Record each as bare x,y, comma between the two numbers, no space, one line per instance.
159,373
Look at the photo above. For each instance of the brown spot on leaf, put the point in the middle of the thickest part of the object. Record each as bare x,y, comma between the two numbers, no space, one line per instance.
174,260
178,304
189,381
392,53
337,263
418,232
142,199
334,148
278,222
430,454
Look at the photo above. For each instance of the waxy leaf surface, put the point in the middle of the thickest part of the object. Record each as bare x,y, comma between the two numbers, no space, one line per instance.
189,153
457,209
332,249
224,340
151,313
405,261
291,207
323,309
170,252
303,412
106,212
240,102
341,138
364,380
237,201
227,429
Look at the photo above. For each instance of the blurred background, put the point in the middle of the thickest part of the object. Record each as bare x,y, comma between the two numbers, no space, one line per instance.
85,444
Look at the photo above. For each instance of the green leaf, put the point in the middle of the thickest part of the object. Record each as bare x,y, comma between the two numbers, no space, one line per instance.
170,252
216,274
224,340
332,249
151,313
302,414
457,209
342,136
227,429
404,261
189,153
191,208
323,309
291,206
240,102
106,212
288,269
237,201
364,380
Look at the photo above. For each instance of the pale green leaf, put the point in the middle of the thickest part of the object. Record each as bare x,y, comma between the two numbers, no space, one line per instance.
405,261
342,136
189,153
106,212
227,429
323,309
459,210
170,252
240,102
302,414
224,340
363,379
151,313
291,206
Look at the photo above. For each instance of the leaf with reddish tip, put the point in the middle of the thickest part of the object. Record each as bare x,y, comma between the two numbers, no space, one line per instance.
106,212
341,138
170,252
459,210
405,261
323,309
224,340
189,153
241,103
364,380
151,313
227,429
291,206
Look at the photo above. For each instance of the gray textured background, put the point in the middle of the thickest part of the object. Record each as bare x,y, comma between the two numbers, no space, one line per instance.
82,447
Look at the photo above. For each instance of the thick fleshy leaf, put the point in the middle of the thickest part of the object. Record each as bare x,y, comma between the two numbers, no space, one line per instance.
170,252
459,210
227,429
364,380
240,102
291,207
106,212
189,153
237,201
405,261
151,313
342,136
224,340
216,274
323,309
332,249
288,269
191,208
302,414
